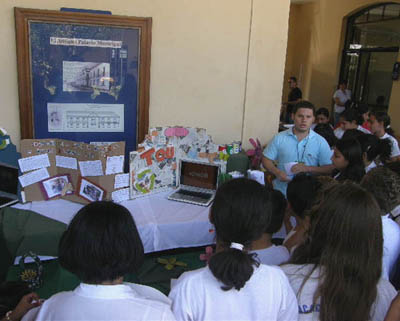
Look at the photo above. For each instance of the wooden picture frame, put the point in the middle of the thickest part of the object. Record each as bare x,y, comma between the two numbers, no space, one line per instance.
81,41
89,190
56,186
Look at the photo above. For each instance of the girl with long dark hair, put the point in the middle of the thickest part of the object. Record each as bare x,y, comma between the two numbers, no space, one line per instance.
347,159
336,272
235,286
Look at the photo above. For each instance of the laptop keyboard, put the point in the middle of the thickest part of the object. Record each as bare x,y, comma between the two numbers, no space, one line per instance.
200,195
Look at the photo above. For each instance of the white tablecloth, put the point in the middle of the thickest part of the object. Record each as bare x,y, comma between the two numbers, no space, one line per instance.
162,224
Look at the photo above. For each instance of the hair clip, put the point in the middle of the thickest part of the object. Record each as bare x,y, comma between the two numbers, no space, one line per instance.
237,246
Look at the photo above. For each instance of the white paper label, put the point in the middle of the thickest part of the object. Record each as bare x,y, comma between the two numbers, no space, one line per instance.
115,164
34,162
34,177
120,195
121,180
66,162
91,168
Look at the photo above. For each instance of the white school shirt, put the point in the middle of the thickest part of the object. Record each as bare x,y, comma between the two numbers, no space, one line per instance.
296,274
396,214
391,245
267,295
395,145
370,166
343,97
126,301
339,132
364,130
273,255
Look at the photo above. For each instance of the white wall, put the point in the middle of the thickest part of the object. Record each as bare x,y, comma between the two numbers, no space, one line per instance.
214,64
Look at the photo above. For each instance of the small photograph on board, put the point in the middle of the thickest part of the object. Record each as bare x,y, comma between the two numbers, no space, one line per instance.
58,185
89,190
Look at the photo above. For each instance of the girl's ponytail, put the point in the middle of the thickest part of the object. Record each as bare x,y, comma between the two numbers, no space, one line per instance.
240,213
233,267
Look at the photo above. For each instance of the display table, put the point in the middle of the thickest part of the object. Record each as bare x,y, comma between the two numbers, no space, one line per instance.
162,224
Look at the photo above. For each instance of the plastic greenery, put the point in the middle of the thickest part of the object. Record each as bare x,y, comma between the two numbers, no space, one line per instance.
255,154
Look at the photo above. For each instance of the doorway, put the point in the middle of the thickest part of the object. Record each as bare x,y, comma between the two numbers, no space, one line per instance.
370,51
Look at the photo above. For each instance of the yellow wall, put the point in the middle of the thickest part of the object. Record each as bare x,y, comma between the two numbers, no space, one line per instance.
214,64
314,46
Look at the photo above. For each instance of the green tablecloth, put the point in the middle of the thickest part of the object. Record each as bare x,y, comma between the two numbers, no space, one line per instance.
22,231
151,273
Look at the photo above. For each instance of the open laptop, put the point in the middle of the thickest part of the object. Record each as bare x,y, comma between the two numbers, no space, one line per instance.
197,183
8,185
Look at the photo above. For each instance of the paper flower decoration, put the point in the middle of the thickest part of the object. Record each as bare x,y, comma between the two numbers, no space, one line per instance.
170,263
255,154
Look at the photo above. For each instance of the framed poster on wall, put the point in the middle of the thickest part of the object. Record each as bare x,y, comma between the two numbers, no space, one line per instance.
83,76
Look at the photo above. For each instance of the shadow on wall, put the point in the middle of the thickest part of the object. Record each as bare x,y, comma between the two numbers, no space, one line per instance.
321,89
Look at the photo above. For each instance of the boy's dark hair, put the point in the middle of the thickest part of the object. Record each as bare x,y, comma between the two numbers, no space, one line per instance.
301,193
353,115
294,79
322,111
384,185
383,117
238,215
278,204
352,133
101,243
326,131
303,104
11,292
351,150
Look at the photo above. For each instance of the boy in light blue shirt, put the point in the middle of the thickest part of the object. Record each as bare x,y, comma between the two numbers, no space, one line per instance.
299,149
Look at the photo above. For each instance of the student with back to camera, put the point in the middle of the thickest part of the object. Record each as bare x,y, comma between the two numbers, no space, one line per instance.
336,273
235,286
347,159
384,185
267,252
326,131
380,126
100,246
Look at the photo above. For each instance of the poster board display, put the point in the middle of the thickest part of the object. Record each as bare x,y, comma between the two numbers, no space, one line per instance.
46,163
153,167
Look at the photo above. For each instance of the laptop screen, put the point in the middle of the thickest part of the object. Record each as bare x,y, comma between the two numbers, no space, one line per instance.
8,179
199,175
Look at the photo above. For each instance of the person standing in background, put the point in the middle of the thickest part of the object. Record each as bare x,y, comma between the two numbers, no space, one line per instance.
341,96
295,95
